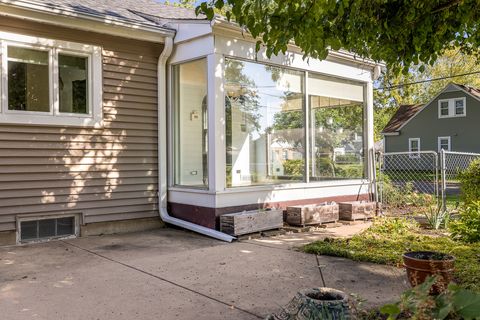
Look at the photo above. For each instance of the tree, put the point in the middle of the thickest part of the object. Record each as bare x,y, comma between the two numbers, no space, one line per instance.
401,33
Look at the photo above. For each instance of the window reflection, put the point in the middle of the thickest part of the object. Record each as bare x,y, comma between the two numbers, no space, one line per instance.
337,122
265,133
190,116
28,80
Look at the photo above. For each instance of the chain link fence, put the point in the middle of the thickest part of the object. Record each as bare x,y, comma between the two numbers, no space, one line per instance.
409,180
451,164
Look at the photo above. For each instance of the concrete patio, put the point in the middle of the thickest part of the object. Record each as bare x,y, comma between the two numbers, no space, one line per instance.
173,274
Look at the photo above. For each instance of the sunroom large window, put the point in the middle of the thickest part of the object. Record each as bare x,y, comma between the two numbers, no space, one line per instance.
266,127
190,129
265,132
336,128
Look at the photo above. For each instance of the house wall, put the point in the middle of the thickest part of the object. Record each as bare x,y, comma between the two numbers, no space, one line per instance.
102,174
428,127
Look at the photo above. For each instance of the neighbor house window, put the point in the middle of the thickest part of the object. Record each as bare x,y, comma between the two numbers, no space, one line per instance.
450,108
459,107
265,133
50,82
414,147
190,129
444,143
336,128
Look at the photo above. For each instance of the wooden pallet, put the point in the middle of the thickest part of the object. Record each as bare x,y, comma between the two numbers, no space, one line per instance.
312,214
357,210
251,221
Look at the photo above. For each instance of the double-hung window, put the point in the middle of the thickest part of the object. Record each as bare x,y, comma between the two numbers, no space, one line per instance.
414,147
444,143
49,82
451,108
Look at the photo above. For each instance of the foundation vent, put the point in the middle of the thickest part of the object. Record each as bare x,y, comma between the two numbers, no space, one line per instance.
46,229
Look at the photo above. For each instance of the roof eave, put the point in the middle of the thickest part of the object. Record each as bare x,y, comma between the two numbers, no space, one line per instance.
34,11
219,23
395,133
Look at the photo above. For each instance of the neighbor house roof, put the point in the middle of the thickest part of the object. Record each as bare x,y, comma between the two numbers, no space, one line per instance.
136,11
404,113
473,91
408,111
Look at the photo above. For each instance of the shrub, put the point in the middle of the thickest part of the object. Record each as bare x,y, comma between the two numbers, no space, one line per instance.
293,167
470,182
467,226
418,303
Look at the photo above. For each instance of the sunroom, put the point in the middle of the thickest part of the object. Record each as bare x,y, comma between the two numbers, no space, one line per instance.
245,131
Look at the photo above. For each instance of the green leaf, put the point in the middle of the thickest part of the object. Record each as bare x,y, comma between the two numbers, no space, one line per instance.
467,304
392,310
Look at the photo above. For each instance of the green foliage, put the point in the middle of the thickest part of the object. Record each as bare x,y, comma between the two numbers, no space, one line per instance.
388,238
437,216
401,33
470,182
293,167
403,196
417,303
467,226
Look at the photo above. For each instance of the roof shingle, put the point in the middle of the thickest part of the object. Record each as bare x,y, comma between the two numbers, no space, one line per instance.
404,113
130,10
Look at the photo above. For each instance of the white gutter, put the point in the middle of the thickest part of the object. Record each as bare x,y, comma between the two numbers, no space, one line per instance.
162,151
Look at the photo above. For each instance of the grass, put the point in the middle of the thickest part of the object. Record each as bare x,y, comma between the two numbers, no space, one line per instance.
389,238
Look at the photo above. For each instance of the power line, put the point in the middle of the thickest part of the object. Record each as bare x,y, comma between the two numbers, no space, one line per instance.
424,81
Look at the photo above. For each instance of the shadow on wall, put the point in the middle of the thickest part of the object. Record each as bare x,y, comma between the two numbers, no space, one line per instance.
107,173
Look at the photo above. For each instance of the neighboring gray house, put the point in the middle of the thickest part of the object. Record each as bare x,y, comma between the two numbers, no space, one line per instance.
449,121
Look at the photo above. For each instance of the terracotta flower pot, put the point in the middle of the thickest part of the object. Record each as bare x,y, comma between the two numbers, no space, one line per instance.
422,264
316,303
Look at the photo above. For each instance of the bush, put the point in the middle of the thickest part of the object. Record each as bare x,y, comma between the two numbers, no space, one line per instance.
418,303
470,182
467,227
293,167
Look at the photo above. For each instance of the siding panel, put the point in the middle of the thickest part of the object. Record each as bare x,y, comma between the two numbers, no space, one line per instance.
104,174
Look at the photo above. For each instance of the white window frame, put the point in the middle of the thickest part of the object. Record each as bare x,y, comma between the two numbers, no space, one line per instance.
54,117
451,108
414,154
440,144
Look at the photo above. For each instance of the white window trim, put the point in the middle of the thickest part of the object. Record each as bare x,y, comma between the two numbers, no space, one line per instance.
449,143
451,108
414,154
54,117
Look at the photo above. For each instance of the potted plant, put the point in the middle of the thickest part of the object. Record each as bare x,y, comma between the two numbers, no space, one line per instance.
315,303
422,264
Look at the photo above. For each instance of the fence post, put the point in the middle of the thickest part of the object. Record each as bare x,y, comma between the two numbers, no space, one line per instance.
380,177
443,173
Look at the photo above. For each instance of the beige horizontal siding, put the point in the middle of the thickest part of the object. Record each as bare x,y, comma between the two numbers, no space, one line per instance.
104,174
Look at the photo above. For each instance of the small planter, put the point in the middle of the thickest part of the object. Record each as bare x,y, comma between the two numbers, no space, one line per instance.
251,221
312,214
316,303
422,264
357,210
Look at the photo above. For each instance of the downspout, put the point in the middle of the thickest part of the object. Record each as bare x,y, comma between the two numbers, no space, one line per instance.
162,151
